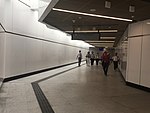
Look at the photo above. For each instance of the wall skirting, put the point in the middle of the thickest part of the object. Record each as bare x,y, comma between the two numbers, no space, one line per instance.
35,72
134,85
138,86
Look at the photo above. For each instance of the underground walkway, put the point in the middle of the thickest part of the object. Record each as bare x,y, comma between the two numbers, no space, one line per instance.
73,89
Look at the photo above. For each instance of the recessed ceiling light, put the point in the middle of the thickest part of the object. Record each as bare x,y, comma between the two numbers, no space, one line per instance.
92,10
73,21
94,28
80,17
132,16
93,15
78,29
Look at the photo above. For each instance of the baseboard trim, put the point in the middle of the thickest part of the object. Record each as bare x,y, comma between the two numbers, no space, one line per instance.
35,72
134,85
138,86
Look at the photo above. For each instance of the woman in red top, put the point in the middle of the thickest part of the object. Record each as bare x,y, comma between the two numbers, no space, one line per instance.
105,61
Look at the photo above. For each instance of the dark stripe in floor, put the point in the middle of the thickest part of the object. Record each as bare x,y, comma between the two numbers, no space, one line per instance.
42,100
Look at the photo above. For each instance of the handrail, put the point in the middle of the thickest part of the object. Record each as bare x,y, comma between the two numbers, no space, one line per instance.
32,37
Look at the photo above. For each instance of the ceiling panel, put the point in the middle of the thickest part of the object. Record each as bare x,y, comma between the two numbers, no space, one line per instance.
75,22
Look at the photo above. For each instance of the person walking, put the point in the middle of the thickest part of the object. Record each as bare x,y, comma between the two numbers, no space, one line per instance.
116,60
79,57
88,56
97,58
92,58
105,61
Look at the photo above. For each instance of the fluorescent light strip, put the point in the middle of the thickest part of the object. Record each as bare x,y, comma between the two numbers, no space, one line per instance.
93,15
96,42
99,43
107,37
104,44
106,31
93,31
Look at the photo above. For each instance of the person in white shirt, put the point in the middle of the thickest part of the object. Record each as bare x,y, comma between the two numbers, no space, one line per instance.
88,56
116,60
92,58
79,57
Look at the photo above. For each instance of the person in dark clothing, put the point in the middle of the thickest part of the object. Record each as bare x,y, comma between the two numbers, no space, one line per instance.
92,58
79,57
105,61
97,58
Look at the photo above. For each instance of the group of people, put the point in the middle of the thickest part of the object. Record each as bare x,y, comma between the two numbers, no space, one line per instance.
105,60
91,57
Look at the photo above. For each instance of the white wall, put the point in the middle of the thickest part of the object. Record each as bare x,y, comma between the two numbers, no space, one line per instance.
2,42
23,54
135,29
145,64
134,60
138,69
26,55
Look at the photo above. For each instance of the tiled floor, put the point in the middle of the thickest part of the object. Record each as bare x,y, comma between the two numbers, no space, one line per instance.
80,90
